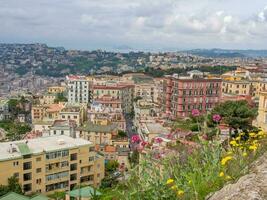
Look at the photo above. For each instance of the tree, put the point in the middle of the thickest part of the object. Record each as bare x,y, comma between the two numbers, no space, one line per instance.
134,158
58,195
112,166
60,98
236,114
122,134
13,186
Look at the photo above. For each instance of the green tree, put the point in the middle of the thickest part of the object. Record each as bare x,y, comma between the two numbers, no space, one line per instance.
58,195
13,186
134,158
112,166
122,133
60,98
236,114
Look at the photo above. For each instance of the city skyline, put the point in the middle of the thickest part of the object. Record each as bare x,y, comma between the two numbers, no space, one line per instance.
139,25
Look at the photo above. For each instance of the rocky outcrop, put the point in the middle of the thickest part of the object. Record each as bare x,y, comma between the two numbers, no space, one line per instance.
252,186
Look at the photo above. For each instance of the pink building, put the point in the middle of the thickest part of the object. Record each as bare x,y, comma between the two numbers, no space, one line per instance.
183,94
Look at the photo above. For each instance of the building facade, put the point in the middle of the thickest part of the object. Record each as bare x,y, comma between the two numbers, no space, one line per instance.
79,89
262,111
50,164
183,94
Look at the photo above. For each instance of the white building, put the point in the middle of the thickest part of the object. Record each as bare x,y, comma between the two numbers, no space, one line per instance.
79,89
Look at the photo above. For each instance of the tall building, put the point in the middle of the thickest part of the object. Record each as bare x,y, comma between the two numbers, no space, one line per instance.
79,89
49,164
183,94
115,96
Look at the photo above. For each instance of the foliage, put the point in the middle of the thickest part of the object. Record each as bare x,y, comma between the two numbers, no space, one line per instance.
14,129
60,98
111,166
122,134
193,176
237,114
134,158
13,186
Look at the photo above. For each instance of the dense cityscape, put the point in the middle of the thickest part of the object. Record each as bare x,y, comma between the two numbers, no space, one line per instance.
133,100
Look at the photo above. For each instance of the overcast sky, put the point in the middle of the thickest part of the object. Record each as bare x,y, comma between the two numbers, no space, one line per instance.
140,24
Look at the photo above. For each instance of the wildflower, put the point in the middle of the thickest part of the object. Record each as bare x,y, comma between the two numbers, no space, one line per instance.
253,147
245,154
233,143
238,138
180,192
135,139
226,159
158,140
252,134
229,152
228,177
144,143
174,187
216,118
195,112
169,181
221,174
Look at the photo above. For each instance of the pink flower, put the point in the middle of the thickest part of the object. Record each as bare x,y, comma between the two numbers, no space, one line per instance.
135,139
144,143
195,112
216,118
158,140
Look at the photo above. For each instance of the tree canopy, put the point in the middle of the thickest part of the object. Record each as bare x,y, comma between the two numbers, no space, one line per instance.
236,114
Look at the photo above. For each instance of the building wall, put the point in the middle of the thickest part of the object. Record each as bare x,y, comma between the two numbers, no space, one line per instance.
89,170
237,87
262,111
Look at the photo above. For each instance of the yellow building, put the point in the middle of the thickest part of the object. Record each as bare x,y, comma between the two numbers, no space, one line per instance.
238,87
56,89
49,164
46,112
98,133
262,111
73,112
258,86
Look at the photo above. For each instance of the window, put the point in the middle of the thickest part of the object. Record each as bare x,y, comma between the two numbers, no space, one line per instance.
27,177
27,187
73,167
73,177
73,156
38,159
91,158
16,163
27,165
38,181
62,132
38,170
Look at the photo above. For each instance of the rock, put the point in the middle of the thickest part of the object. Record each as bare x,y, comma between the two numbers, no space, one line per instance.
252,186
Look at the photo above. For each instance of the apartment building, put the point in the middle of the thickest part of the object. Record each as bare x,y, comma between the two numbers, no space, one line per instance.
56,89
237,87
50,164
262,111
75,112
79,89
4,110
183,94
115,96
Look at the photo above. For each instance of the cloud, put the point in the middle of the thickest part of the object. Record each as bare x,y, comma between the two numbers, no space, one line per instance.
141,24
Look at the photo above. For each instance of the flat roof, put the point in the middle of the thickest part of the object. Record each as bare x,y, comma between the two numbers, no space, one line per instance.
39,145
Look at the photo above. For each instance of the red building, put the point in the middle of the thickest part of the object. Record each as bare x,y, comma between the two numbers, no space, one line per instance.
183,94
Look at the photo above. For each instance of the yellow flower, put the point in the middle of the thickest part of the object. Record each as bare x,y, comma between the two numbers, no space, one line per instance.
245,154
226,159
180,192
238,138
169,181
252,147
233,143
229,152
228,177
174,187
252,134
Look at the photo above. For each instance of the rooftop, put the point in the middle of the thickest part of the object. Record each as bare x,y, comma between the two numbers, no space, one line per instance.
91,127
15,196
85,192
39,145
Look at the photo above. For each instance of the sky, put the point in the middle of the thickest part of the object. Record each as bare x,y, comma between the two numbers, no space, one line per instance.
153,25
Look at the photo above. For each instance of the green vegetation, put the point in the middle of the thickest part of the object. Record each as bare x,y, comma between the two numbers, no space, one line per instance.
237,114
111,166
122,134
60,98
58,195
13,186
15,130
